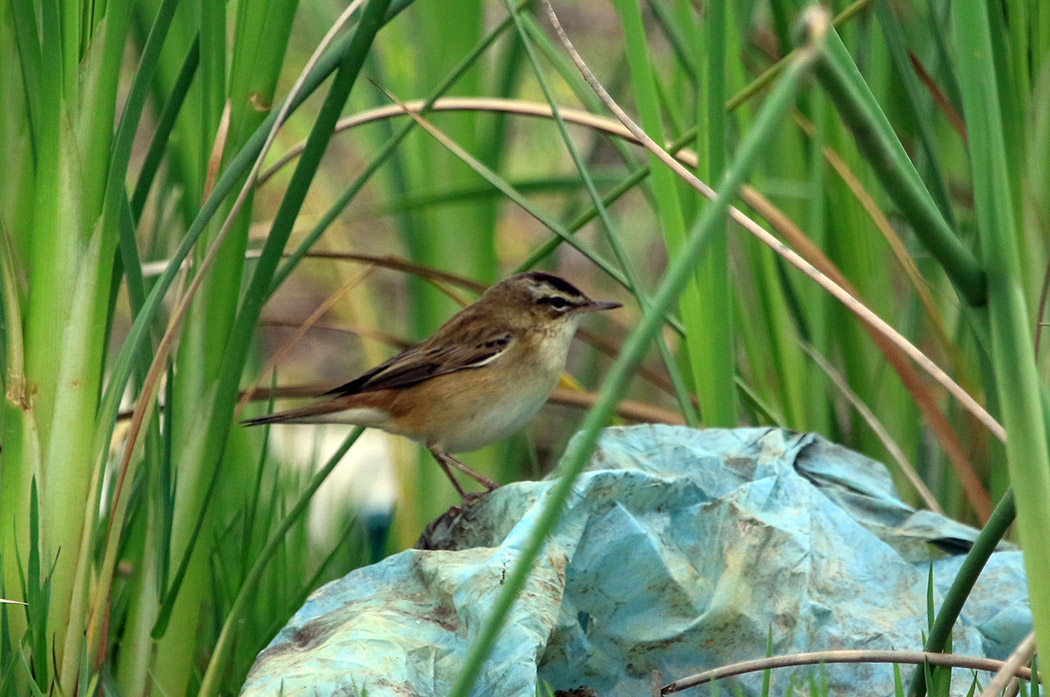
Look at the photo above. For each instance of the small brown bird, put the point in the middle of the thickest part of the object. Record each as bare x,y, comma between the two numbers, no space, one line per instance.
479,378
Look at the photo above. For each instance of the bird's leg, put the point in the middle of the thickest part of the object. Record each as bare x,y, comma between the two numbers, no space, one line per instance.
446,460
448,473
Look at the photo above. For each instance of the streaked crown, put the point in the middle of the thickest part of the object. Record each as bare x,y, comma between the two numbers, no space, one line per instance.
545,294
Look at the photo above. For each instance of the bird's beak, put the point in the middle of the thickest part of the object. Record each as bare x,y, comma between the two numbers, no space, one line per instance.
599,305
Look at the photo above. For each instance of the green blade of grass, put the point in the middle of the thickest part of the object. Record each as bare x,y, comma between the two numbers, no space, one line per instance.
672,28
101,68
113,205
877,141
201,458
438,196
385,152
18,425
678,272
994,530
678,382
818,315
170,595
30,61
713,362
55,230
568,73
771,73
162,131
500,183
219,656
898,50
1016,375
134,342
452,231
614,194
211,72
665,189
879,144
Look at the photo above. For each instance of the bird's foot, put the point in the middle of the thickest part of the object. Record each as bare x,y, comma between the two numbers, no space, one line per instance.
472,497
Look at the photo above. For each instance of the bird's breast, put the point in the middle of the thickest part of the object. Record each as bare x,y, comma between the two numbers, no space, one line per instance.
517,391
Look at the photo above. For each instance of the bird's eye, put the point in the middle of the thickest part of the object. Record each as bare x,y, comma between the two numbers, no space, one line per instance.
559,303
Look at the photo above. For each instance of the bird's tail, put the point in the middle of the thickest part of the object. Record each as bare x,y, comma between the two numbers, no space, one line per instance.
331,411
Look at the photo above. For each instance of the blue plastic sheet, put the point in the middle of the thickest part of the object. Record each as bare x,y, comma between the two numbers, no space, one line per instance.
680,550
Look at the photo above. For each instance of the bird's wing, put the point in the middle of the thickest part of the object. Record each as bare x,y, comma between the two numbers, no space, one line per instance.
435,356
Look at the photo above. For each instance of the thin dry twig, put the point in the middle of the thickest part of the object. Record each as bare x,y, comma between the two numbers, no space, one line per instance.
900,252
953,116
846,656
389,261
1020,656
629,410
535,108
519,107
788,254
876,426
300,332
352,329
217,150
898,361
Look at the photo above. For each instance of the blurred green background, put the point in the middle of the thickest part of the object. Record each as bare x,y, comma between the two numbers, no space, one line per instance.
159,546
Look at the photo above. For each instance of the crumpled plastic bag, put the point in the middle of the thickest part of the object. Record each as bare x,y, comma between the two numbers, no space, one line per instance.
680,550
